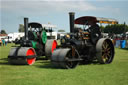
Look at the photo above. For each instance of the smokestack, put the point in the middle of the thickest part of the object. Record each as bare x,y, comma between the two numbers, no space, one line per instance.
71,19
26,28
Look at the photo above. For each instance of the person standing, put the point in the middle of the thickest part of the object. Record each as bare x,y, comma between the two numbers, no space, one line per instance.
0,42
3,41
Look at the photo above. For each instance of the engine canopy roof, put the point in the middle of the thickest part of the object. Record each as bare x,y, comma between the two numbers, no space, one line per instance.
88,20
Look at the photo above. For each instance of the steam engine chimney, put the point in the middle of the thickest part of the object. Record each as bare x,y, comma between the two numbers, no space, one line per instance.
26,28
71,19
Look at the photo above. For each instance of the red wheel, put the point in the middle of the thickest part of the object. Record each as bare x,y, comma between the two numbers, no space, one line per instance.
30,52
54,44
22,56
50,46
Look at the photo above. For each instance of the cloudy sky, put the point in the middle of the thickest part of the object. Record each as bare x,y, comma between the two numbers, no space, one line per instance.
56,12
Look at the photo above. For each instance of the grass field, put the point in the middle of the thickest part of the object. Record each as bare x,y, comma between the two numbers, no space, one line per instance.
42,72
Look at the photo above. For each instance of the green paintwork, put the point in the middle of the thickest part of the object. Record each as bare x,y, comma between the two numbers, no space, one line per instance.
34,44
44,37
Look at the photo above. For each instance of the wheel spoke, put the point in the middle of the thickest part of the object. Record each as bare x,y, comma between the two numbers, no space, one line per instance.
69,64
107,45
103,56
108,58
73,52
108,49
108,54
103,46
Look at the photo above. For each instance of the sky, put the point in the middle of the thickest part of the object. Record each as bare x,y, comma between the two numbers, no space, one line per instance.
56,12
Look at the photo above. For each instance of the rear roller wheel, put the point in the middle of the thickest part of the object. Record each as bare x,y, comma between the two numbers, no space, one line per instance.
65,58
22,55
105,51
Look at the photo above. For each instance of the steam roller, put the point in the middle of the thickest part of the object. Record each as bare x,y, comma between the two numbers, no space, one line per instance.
32,46
84,44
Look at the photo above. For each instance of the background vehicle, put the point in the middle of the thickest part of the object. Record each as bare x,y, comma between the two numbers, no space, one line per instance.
13,36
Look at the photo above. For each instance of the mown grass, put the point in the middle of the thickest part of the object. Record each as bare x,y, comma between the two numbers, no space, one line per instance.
42,72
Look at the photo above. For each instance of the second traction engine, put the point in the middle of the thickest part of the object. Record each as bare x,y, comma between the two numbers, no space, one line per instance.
83,45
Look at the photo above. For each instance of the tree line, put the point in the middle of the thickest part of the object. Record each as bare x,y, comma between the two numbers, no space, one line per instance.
3,32
114,29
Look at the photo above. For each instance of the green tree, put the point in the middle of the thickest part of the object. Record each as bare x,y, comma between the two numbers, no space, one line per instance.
61,30
116,29
21,28
3,32
102,28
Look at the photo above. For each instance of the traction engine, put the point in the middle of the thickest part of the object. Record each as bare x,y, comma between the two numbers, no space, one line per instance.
34,44
84,45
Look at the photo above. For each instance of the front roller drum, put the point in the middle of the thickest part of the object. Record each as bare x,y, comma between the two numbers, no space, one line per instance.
65,58
105,51
22,56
